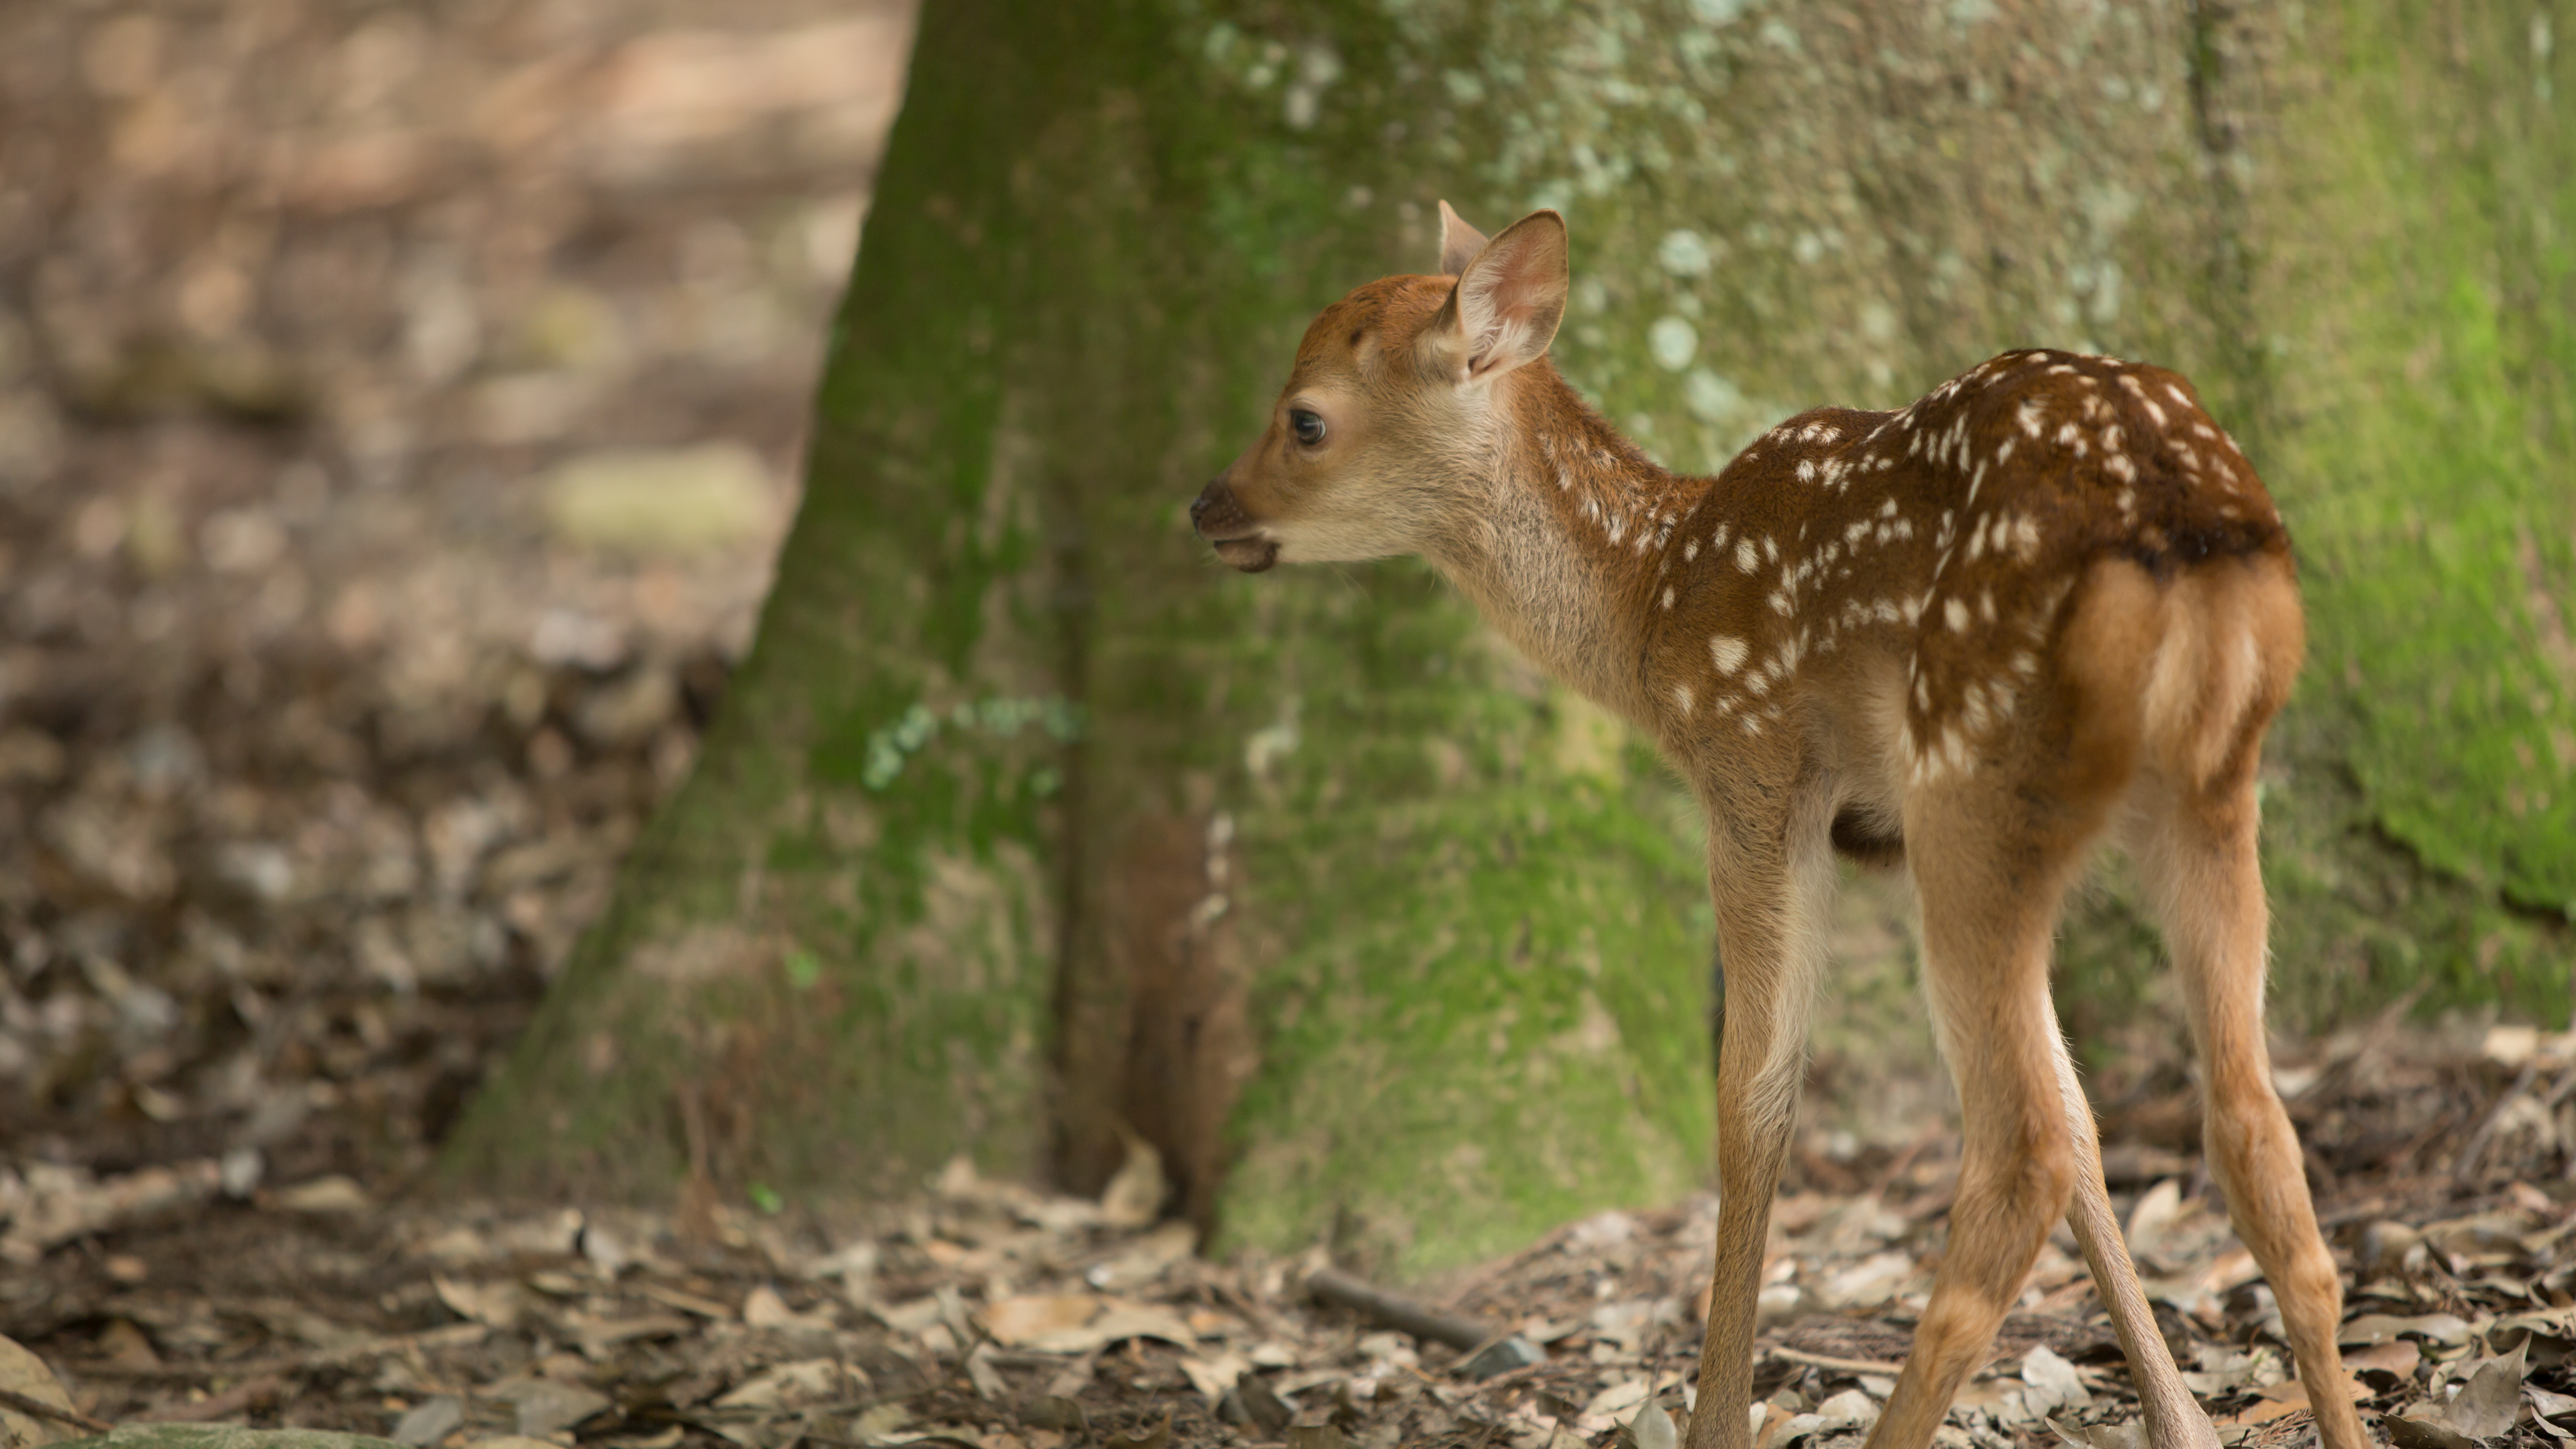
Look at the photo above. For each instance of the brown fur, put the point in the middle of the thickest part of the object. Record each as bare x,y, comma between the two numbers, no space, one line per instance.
2047,603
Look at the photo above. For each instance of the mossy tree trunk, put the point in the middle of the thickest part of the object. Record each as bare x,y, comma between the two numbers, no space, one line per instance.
1026,825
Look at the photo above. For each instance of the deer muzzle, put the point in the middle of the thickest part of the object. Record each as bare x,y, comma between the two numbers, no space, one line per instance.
1238,539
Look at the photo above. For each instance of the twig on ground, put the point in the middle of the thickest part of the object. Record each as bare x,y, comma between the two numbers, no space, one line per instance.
29,1404
1838,1365
1396,1311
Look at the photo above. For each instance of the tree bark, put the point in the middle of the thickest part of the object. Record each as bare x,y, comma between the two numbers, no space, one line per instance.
1026,827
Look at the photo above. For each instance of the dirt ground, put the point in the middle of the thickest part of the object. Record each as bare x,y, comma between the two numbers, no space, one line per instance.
398,408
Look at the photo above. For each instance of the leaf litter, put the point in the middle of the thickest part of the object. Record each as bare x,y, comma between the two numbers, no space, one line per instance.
988,1315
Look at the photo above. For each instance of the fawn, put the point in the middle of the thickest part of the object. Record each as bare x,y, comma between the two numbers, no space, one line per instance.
2046,603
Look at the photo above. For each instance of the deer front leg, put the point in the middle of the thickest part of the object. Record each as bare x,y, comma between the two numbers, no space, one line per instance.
1772,949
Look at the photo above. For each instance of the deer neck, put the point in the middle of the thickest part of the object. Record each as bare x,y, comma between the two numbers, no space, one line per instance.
1562,552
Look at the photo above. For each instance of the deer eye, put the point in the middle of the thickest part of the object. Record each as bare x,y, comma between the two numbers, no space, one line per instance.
1307,426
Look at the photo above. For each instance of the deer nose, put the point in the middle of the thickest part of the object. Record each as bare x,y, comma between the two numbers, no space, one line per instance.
1213,497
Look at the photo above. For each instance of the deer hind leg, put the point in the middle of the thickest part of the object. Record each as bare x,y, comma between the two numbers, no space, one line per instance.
1771,906
2173,1418
2195,850
1992,857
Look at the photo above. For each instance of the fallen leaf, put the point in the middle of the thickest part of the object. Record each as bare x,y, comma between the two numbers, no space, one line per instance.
430,1420
548,1405
2395,1361
2053,1382
1134,1197
1652,1428
1214,1375
1014,1322
1120,1321
332,1194
1146,1260
1624,1395
2423,1434
2439,1328
1299,1436
2488,1404
1268,1412
986,1375
1056,1411
496,1304
878,1421
23,1372
789,1385
1850,1407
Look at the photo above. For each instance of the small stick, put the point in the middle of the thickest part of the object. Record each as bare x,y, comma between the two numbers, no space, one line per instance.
29,1404
1839,1365
1416,1318
231,1401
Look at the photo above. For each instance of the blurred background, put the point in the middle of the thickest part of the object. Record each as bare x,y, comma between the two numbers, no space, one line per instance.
400,407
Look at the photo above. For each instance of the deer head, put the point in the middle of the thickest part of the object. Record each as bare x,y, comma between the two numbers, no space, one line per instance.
1396,406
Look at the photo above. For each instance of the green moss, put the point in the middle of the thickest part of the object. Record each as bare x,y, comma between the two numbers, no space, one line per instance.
1470,922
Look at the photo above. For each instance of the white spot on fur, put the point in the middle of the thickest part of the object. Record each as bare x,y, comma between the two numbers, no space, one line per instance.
1727,652
1690,550
1682,697
2119,466
1668,596
1747,557
1956,612
2026,538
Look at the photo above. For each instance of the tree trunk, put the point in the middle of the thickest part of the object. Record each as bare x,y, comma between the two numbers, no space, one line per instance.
1026,826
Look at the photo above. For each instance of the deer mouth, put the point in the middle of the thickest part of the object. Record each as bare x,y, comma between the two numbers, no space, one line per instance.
1251,554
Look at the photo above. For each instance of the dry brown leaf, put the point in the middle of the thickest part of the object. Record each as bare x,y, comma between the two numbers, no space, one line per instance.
2395,1359
23,1372
1016,1321
2444,1329
496,1304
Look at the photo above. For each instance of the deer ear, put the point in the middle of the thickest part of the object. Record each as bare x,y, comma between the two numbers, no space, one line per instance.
1459,242
1510,297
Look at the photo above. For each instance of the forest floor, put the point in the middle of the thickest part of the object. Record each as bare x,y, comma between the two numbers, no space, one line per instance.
986,1315
355,362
